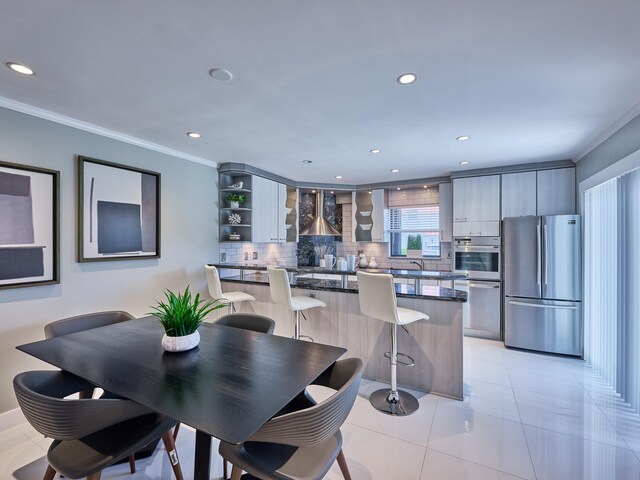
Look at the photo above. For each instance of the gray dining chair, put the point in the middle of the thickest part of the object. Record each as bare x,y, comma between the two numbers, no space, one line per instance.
245,321
302,444
88,434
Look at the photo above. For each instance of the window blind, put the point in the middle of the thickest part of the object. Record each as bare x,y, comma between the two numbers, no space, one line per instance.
425,218
612,283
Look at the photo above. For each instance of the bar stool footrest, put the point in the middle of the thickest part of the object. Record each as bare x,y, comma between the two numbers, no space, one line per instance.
407,363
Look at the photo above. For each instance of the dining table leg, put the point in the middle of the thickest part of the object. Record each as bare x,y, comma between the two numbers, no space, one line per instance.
202,463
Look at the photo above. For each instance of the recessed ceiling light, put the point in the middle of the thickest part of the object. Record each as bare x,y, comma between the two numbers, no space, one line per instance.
338,177
332,191
398,188
370,193
426,186
407,78
193,134
17,67
222,75
375,150
313,191
307,161
465,162
395,170
463,138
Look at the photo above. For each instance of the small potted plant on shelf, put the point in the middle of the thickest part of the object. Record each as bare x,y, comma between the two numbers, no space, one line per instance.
235,199
414,246
181,316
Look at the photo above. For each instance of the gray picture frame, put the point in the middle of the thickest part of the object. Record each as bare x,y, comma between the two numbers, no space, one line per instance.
29,226
118,212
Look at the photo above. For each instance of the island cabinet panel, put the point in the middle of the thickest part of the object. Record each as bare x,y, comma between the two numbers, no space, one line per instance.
476,206
557,191
435,344
519,194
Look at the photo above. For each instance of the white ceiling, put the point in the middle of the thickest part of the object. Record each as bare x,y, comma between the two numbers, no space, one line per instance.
529,81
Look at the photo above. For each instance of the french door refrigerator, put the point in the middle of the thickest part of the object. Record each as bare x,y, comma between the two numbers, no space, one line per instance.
542,283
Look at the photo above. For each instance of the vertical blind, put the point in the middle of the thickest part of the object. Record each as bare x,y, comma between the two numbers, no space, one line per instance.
612,283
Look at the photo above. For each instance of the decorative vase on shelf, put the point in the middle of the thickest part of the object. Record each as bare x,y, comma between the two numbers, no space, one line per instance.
181,316
234,204
373,263
363,261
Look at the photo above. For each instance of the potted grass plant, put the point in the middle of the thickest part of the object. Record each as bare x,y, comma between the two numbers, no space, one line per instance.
181,315
414,246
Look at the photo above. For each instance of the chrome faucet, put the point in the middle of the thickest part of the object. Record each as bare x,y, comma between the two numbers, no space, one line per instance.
420,264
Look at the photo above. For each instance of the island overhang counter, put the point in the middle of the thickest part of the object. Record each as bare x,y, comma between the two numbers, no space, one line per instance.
434,344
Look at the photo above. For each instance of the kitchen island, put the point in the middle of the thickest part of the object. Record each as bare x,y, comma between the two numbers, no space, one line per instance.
434,344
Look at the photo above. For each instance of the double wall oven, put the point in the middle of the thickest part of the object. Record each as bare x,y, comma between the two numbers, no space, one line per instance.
480,259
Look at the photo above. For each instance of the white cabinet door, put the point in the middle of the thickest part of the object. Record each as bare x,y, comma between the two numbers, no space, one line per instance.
446,212
557,191
280,207
264,210
379,231
370,216
519,194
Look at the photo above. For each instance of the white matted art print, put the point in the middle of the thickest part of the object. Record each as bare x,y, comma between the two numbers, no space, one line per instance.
29,226
119,212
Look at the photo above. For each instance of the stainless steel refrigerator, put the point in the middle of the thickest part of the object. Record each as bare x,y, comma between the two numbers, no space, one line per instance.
542,283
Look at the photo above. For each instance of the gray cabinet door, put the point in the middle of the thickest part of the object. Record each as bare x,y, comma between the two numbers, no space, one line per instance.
446,213
519,194
556,191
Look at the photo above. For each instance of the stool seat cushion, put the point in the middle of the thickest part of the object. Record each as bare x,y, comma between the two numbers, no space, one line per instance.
235,297
304,303
409,316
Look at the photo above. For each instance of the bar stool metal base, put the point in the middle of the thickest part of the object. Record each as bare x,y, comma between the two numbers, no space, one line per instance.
405,404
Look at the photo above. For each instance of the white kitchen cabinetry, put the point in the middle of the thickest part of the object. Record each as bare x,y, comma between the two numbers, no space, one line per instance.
270,207
370,216
446,212
519,194
556,191
476,206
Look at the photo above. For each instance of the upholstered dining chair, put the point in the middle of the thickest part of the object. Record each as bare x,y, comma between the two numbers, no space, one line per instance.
246,321
88,434
302,444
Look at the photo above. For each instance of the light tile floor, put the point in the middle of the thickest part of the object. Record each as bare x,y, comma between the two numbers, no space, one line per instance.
524,415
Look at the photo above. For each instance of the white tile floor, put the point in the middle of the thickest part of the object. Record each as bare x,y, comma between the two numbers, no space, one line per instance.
524,416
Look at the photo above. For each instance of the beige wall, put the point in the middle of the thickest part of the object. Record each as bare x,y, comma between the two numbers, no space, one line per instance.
189,238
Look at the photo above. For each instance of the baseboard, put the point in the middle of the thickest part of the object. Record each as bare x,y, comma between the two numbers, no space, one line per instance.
11,419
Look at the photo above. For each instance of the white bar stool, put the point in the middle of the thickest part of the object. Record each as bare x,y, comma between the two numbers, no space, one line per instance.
226,298
281,295
377,296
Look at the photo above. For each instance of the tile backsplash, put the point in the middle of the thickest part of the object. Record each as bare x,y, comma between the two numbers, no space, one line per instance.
266,252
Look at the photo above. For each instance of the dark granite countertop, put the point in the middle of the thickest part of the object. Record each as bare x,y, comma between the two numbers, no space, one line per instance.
402,290
423,275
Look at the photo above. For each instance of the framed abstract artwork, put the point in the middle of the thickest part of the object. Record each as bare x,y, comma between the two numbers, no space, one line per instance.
29,226
118,212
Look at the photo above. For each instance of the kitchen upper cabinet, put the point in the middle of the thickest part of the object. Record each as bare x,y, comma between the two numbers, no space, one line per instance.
476,206
556,191
370,216
519,194
445,193
271,208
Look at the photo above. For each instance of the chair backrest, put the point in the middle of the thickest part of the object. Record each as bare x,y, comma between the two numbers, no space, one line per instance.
41,395
248,321
377,296
213,282
85,322
279,286
314,425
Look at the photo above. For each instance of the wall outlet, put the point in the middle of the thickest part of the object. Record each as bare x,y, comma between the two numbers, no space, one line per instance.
223,257
255,255
246,255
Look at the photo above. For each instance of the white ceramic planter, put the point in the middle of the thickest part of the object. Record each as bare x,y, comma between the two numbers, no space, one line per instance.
180,344
234,204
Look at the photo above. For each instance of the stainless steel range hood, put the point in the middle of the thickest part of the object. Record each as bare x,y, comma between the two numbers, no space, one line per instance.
320,225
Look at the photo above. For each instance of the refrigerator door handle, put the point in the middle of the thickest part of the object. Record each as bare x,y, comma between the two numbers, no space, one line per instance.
539,259
484,285
536,305
546,270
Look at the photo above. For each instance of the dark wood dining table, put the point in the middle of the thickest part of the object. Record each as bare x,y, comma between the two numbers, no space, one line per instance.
227,387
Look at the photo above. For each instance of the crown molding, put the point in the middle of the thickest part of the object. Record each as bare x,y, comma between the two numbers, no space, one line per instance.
604,136
104,132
